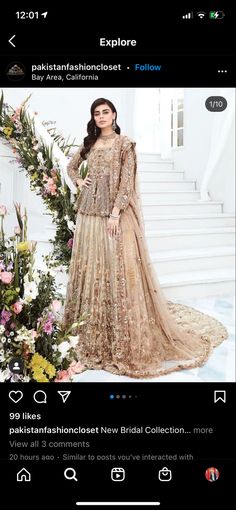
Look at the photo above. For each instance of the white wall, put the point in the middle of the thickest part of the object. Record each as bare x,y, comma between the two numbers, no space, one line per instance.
199,128
70,108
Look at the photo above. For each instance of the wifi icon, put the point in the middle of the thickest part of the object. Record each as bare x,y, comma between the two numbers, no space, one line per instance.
201,14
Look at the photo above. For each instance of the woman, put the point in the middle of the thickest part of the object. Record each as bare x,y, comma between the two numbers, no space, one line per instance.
130,328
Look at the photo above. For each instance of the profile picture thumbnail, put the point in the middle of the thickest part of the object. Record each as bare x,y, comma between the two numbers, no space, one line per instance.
15,71
212,474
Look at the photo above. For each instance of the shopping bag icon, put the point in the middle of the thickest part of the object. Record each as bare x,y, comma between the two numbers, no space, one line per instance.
164,475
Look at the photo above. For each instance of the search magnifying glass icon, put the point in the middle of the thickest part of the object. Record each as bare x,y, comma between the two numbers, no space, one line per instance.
70,474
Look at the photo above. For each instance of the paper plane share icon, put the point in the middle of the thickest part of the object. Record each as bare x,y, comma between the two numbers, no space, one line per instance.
64,395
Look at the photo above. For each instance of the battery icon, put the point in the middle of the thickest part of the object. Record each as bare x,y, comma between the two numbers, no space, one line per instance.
216,14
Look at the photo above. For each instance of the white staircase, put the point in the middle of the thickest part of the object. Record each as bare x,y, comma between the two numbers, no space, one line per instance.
191,241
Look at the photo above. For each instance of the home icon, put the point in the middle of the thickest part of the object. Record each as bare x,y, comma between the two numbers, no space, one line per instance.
23,476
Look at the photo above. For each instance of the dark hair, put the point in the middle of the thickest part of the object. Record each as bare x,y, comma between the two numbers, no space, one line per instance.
94,131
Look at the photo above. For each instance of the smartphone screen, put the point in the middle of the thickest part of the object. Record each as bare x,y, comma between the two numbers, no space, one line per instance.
117,257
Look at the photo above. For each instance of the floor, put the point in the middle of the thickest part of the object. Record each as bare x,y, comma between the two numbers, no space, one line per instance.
219,368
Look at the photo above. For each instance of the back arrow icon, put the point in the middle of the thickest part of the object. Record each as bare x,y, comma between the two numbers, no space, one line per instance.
10,41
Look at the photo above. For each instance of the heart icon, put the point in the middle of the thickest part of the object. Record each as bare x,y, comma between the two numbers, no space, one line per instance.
15,396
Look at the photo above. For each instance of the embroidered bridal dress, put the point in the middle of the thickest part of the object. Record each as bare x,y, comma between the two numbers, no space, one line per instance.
131,329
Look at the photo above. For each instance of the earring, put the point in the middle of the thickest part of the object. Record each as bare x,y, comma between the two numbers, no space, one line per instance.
114,125
95,130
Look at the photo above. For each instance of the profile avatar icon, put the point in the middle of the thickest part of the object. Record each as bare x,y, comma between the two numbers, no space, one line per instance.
16,365
15,71
212,474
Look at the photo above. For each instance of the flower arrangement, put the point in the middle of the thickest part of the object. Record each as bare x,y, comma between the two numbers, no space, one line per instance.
35,158
30,327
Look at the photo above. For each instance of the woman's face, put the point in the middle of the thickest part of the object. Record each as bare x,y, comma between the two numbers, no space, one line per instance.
103,116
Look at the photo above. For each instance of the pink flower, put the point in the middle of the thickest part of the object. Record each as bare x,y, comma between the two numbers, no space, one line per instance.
3,210
62,376
17,230
5,317
56,305
12,325
54,173
70,243
75,368
50,186
16,115
17,307
34,333
47,327
6,277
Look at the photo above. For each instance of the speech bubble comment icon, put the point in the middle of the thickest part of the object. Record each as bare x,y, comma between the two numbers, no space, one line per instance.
40,397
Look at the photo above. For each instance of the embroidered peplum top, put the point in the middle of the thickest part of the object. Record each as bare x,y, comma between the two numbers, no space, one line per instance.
96,198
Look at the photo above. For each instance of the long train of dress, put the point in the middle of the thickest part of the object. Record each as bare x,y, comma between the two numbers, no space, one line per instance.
130,329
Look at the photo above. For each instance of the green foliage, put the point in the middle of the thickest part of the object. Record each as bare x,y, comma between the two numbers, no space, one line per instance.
46,180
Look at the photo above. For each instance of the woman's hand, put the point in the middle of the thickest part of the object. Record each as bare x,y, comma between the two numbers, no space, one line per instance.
113,227
83,182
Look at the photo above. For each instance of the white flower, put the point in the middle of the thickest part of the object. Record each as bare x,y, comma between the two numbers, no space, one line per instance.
36,277
30,168
2,329
2,377
25,335
26,378
40,158
73,340
4,374
26,278
71,225
30,291
63,348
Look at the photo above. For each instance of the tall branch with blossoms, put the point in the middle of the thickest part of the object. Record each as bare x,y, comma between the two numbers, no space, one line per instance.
35,158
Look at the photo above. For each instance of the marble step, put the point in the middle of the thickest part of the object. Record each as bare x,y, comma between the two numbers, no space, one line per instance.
188,238
155,166
150,186
163,197
194,284
177,261
183,207
152,158
171,221
153,175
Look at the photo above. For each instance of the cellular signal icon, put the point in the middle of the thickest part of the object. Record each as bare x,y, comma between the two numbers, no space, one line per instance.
189,15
